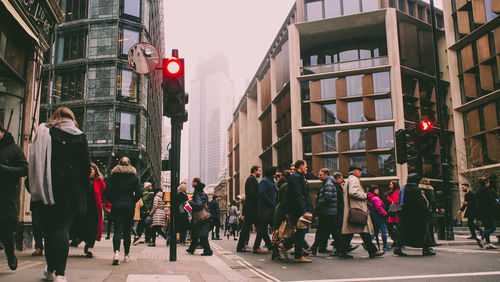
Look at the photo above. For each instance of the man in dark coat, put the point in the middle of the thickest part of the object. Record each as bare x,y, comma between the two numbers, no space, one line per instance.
267,204
213,207
299,205
250,207
469,206
13,165
486,204
414,219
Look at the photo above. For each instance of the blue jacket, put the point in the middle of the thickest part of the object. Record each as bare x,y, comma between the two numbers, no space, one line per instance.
213,207
267,199
327,197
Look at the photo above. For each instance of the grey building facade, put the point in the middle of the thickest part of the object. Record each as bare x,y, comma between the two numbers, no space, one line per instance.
87,71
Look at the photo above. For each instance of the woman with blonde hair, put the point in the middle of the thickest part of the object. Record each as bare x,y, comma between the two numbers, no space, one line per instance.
182,221
58,184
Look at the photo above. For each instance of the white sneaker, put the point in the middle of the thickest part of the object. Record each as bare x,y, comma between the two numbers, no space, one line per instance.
491,246
49,276
60,278
116,258
126,258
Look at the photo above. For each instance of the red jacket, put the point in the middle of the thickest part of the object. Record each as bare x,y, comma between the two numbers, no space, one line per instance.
99,187
394,198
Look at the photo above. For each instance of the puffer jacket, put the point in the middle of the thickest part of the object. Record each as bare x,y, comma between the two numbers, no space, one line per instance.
123,188
327,197
376,205
158,210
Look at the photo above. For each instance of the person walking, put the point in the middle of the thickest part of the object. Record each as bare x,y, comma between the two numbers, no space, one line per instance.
299,207
147,200
233,219
355,197
123,191
486,202
199,230
378,215
250,209
159,219
413,219
13,165
326,211
425,186
182,221
137,222
213,207
392,197
469,206
266,206
58,184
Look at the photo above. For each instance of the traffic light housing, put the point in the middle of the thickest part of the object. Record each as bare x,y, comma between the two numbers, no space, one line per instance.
406,150
424,126
174,95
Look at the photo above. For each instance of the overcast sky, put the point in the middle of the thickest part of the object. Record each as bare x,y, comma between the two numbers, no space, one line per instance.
243,30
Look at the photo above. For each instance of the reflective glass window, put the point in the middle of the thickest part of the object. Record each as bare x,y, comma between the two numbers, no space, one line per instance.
74,9
332,8
354,85
307,142
351,7
126,127
370,5
314,10
128,82
365,54
329,114
385,137
69,85
383,109
381,82
330,141
360,161
355,111
331,163
357,139
127,39
132,8
328,88
71,46
314,60
348,55
489,13
386,165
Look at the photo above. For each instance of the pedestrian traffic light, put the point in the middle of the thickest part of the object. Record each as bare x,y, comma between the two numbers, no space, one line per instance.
425,126
174,96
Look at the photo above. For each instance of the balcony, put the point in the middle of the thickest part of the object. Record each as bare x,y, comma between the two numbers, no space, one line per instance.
345,66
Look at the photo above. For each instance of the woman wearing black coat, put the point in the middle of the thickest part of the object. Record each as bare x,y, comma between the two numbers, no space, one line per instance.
12,166
199,231
182,221
123,190
486,202
66,192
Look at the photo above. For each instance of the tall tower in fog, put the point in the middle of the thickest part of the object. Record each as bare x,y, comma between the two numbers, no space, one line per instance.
211,103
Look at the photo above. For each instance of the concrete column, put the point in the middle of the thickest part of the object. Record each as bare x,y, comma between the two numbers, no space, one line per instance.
254,135
295,100
274,130
243,149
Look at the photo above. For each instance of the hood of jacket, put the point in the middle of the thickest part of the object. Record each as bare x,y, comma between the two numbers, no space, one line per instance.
6,140
425,187
120,169
199,187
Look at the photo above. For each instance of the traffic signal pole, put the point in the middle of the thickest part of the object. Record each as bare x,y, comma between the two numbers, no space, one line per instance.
175,157
445,166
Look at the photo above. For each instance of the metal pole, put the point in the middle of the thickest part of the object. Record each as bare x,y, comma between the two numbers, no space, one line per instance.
175,158
442,138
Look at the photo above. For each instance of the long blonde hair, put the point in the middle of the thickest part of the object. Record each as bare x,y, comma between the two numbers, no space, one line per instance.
59,115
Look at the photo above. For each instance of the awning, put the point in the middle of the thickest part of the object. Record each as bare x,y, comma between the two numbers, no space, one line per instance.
18,18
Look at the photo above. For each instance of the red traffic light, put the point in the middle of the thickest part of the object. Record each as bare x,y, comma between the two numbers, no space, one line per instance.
172,67
425,125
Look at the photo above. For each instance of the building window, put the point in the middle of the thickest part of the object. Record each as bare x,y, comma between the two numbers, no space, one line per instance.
331,163
357,139
71,46
386,165
131,8
332,8
385,137
354,85
488,10
328,88
330,141
355,111
370,5
381,82
383,109
349,55
69,85
74,9
329,114
126,128
360,161
314,10
128,38
127,84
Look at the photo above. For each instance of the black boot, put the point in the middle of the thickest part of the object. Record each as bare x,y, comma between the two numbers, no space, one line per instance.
12,262
427,252
399,252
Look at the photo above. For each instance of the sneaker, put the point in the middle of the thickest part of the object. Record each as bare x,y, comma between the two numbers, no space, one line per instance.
89,255
490,246
138,242
387,248
376,254
60,278
49,275
259,251
207,254
116,258
126,258
37,253
303,260
151,245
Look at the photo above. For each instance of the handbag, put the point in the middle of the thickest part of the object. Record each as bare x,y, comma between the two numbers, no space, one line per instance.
285,230
201,215
393,209
356,216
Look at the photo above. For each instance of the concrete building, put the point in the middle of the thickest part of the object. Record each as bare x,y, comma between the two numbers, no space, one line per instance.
338,80
87,71
212,90
26,33
473,45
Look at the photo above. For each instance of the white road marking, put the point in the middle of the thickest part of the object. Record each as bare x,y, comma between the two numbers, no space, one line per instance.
387,278
479,251
264,275
156,278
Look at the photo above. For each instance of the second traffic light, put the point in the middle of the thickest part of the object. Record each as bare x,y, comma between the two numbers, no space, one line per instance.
174,95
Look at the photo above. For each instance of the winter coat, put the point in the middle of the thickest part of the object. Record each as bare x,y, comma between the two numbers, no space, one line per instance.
298,199
267,200
123,188
327,197
158,210
377,211
486,202
429,195
13,165
340,200
355,196
137,212
470,207
99,188
182,221
197,202
393,199
70,175
147,201
250,207
279,213
414,218
214,209
233,214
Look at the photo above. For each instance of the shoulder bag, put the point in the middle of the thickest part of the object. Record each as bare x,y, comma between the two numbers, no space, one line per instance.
356,216
201,215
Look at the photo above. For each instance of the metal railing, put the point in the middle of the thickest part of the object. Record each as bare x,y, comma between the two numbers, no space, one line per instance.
345,66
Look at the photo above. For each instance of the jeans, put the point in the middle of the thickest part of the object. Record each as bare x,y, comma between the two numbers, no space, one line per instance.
56,224
215,222
489,227
381,226
122,220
